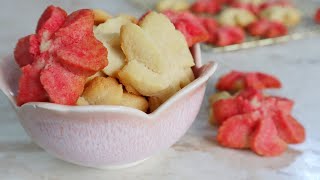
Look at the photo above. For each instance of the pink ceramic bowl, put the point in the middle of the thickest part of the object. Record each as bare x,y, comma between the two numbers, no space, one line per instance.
107,136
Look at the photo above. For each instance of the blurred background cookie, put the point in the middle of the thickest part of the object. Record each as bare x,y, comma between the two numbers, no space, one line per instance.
287,15
236,17
176,5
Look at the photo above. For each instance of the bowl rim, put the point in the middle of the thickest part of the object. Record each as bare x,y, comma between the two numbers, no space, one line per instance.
207,71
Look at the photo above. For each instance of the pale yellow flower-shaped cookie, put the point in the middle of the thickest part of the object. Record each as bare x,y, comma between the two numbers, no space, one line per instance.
109,34
108,91
159,61
134,101
150,59
100,16
103,91
287,15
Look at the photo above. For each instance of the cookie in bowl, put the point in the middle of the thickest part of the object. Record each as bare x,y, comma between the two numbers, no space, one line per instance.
88,117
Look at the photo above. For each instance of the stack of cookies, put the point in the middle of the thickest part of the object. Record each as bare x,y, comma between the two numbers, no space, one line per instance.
149,61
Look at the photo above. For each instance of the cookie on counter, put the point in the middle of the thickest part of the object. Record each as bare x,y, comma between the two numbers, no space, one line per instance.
236,17
287,15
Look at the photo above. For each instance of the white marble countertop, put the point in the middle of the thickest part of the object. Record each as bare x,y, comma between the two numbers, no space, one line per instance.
196,155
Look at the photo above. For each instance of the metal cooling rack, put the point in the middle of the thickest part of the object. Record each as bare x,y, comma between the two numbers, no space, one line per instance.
306,28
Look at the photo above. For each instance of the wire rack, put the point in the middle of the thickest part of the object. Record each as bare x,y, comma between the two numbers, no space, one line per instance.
306,28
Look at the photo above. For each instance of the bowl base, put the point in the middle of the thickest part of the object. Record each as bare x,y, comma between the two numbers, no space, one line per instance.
121,166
